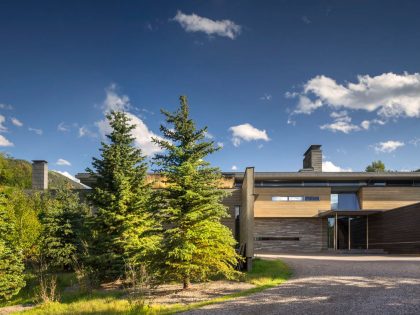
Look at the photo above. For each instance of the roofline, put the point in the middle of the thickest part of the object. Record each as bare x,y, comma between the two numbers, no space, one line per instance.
314,175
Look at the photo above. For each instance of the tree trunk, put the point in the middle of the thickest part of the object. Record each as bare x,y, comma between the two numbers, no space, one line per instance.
186,283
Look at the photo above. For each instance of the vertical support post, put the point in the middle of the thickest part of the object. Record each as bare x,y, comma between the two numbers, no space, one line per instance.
335,232
367,232
349,233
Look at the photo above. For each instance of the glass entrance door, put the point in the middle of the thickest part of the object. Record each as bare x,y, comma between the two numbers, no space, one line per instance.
347,232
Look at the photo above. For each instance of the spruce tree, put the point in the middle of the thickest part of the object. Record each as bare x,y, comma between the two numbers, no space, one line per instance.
64,229
122,227
11,265
195,244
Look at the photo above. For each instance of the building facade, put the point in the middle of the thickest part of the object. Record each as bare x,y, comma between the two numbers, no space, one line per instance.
311,210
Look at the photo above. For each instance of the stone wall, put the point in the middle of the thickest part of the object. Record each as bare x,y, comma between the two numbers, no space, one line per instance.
290,234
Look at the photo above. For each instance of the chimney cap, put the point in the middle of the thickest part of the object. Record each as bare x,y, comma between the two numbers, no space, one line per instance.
313,147
39,161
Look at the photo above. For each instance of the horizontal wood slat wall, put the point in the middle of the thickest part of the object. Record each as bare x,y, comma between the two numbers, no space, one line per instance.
396,231
385,198
265,208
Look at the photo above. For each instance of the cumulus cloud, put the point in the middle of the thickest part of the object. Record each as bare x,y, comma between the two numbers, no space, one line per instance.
16,122
208,135
342,122
195,23
220,144
387,146
4,142
2,127
63,162
37,131
141,133
115,102
328,166
234,168
389,95
247,132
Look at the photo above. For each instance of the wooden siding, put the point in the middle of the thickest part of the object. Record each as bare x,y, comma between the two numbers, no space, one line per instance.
265,208
306,235
386,198
396,231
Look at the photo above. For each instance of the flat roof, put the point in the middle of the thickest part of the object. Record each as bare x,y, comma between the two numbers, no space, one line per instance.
328,175
332,213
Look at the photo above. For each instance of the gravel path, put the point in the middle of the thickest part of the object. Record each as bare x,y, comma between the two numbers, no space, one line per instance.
336,285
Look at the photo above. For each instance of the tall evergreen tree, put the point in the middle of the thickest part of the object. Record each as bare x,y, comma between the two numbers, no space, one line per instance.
195,245
64,229
122,225
11,265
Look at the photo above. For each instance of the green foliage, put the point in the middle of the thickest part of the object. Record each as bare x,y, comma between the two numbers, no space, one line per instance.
18,173
14,173
196,245
24,210
11,265
122,227
376,166
63,229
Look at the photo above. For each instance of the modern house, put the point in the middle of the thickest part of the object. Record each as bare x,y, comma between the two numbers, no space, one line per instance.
311,210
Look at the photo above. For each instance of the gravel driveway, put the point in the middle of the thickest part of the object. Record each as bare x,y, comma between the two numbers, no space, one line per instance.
336,284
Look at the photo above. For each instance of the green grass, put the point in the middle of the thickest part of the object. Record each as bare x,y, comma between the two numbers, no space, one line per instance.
265,274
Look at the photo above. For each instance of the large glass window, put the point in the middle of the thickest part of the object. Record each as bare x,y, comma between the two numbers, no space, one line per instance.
345,201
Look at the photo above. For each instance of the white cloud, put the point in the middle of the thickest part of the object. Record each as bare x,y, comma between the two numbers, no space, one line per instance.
342,122
220,144
388,94
387,146
208,135
196,23
2,127
266,97
6,106
37,131
63,162
5,143
86,132
234,168
328,166
246,132
63,127
141,133
16,122
115,102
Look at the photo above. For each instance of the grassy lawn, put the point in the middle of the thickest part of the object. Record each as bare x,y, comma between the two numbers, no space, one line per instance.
265,274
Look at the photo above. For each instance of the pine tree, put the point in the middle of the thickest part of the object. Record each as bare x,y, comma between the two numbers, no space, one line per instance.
195,245
11,265
122,225
64,229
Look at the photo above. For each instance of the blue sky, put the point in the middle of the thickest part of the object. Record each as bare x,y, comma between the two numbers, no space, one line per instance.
268,78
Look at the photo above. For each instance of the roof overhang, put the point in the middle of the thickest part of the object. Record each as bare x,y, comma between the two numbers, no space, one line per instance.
347,213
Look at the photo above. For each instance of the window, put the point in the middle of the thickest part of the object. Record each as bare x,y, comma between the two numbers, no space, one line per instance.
237,211
345,201
295,198
276,198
